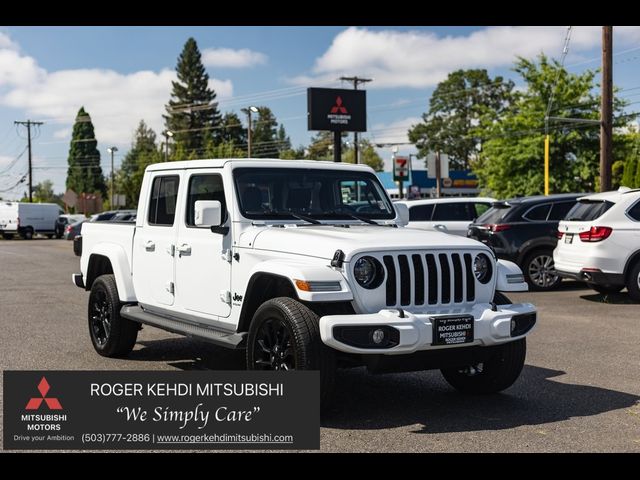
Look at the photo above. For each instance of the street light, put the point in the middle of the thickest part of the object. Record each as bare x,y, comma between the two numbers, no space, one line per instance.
249,111
112,150
167,134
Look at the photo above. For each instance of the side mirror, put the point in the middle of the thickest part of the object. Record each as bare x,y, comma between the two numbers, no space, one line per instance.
208,213
403,214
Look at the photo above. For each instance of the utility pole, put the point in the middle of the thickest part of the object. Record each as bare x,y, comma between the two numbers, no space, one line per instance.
249,111
112,150
28,124
355,81
606,110
438,174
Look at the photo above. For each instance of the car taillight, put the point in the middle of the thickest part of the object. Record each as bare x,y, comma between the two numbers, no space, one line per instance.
497,227
559,234
68,228
596,234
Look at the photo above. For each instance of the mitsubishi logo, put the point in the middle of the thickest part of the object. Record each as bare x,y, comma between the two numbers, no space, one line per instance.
338,107
35,402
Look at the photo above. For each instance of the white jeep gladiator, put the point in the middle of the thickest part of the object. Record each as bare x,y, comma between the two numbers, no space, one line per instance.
307,265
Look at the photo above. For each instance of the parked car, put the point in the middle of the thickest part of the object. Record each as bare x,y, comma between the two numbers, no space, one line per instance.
65,220
524,230
73,230
124,216
449,215
111,215
28,219
599,242
300,264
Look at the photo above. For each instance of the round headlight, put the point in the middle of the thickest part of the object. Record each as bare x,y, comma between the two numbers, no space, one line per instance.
368,272
482,268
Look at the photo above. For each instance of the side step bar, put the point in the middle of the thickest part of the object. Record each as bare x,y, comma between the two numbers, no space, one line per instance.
218,337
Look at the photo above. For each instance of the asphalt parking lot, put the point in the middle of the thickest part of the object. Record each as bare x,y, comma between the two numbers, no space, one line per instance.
579,392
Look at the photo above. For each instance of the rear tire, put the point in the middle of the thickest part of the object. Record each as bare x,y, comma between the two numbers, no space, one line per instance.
111,335
633,282
7,236
49,236
605,289
492,376
27,233
539,271
285,335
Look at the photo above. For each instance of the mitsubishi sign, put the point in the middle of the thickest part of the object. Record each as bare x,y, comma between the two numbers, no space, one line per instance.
337,109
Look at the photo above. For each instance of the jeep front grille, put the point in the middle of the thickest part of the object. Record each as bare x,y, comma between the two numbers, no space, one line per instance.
433,279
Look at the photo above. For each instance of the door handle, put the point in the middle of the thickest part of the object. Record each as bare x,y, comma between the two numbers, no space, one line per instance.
184,249
150,246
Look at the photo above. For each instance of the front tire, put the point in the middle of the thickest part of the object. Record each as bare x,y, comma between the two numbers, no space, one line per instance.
539,271
492,376
284,335
111,335
633,282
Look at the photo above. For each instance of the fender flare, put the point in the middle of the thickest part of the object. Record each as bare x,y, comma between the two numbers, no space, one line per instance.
120,266
307,272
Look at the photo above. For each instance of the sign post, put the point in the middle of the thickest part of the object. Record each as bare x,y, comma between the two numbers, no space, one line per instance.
400,172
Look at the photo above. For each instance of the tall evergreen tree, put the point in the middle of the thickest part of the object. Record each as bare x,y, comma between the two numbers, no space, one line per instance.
192,109
143,152
264,135
84,174
232,131
284,142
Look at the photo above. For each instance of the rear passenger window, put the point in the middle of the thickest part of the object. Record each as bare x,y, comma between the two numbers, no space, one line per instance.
458,211
560,210
420,213
162,205
204,187
634,212
538,213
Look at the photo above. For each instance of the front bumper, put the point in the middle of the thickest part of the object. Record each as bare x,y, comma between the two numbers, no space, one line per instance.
491,327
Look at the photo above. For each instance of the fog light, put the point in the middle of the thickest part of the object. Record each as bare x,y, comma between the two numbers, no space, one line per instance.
377,336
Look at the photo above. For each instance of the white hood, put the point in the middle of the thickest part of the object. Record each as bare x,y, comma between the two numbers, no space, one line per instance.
323,240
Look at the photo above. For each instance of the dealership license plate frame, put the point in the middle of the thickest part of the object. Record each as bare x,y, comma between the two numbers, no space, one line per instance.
455,320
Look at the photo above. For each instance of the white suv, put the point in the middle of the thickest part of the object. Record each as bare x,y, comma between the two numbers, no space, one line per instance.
599,242
449,215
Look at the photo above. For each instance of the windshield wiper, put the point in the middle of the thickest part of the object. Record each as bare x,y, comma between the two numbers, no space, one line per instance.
354,216
299,216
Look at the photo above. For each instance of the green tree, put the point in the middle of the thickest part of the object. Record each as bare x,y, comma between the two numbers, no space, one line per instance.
455,107
368,156
617,170
321,146
264,135
629,174
226,149
143,152
231,130
192,109
284,142
292,153
84,173
512,157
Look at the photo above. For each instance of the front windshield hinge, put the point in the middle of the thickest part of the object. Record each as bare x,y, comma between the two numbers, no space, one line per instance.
338,259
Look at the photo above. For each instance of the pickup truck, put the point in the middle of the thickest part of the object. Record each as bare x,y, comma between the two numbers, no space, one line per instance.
307,265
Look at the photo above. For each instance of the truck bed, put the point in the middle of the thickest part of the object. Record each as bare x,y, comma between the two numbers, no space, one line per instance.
107,233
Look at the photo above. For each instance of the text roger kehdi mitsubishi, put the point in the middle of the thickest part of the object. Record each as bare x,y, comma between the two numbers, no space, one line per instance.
307,265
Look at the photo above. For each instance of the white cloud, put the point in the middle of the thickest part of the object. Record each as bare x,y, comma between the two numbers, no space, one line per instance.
422,59
62,134
394,132
6,42
115,101
230,58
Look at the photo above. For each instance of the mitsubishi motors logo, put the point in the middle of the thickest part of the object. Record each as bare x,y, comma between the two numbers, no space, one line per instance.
338,107
35,402
338,114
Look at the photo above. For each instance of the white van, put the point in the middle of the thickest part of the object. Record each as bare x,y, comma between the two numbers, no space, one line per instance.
27,219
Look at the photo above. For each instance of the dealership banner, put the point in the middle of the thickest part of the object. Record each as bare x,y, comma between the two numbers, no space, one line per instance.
161,410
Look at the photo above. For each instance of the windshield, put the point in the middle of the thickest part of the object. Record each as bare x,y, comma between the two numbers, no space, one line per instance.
587,210
277,193
495,214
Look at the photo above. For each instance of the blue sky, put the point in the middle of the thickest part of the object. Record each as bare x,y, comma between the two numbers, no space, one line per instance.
123,74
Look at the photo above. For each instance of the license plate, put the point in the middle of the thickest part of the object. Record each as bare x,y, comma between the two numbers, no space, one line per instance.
452,330
568,238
